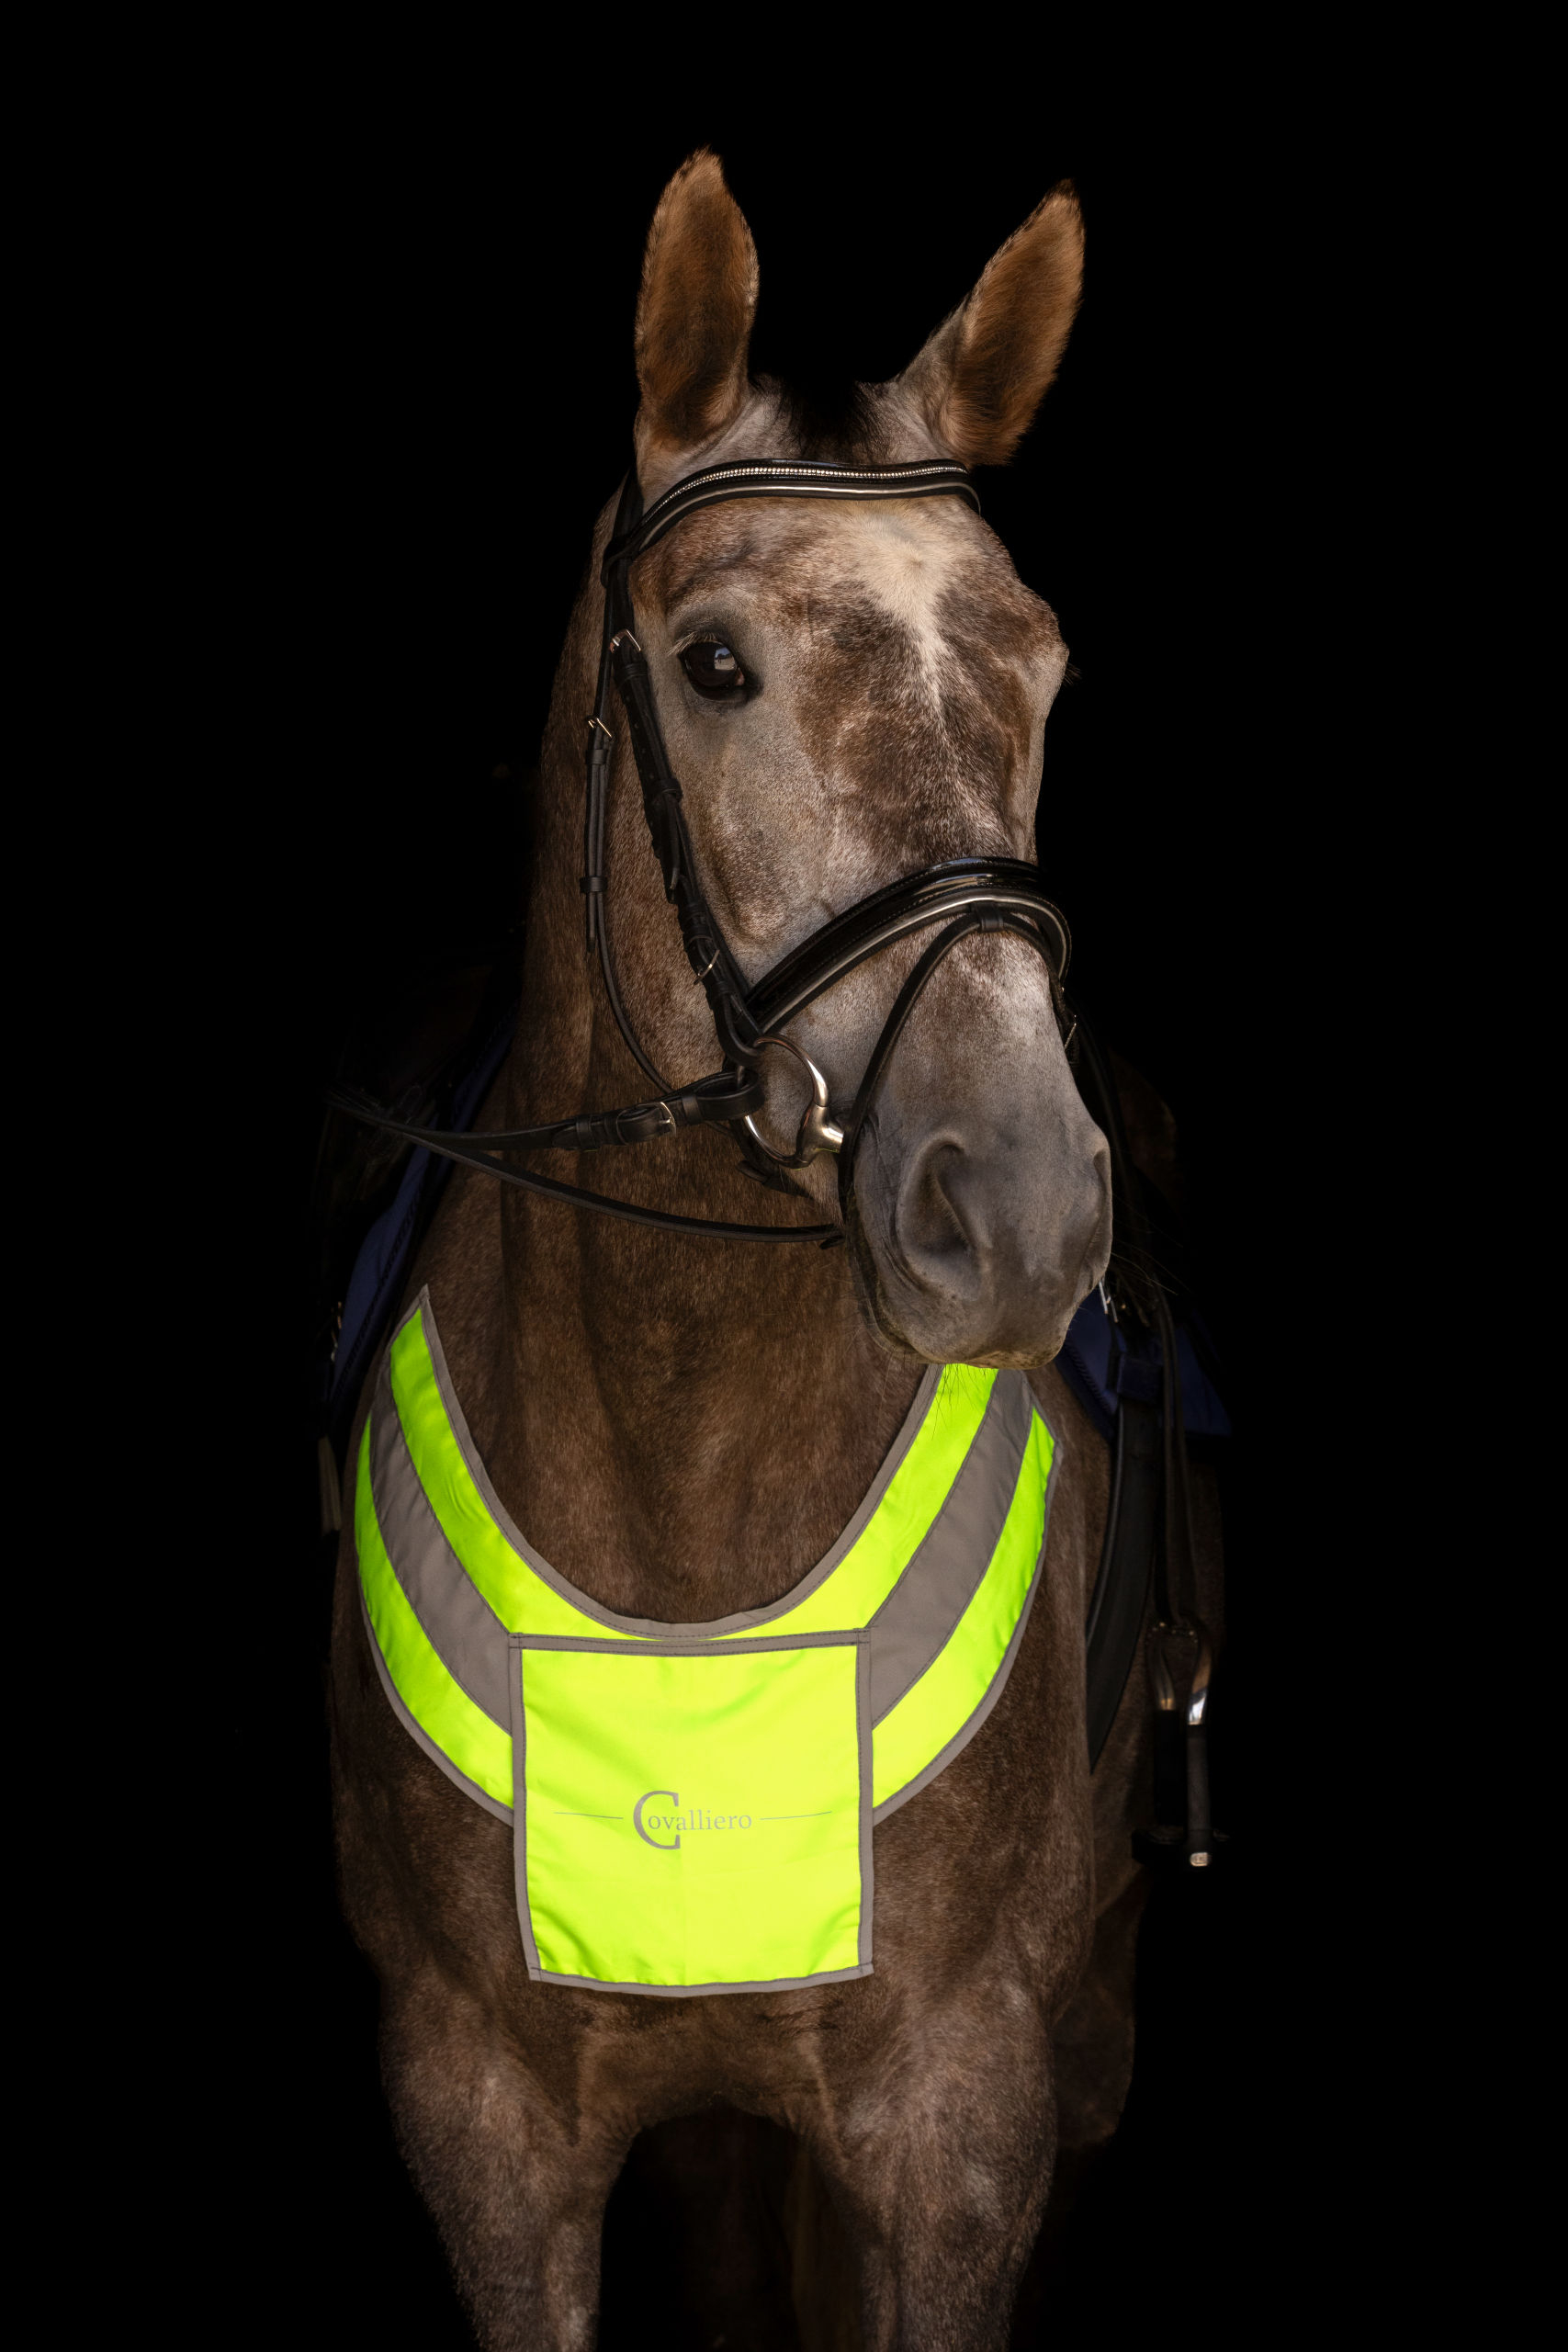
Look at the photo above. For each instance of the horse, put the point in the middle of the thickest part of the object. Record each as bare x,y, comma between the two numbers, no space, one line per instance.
684,1425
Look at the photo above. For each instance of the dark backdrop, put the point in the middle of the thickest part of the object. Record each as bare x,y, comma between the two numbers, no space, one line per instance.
434,397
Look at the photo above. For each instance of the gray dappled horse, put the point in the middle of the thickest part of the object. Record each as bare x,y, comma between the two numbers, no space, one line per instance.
682,1428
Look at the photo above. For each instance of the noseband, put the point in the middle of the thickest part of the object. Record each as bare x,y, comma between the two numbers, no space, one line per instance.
966,895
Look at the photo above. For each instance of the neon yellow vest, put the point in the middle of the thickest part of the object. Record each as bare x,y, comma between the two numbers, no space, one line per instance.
693,1806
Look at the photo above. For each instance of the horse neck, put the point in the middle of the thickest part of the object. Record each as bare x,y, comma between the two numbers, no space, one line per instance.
682,1425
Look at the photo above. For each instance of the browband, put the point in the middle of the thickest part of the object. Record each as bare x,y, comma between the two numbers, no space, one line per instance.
762,478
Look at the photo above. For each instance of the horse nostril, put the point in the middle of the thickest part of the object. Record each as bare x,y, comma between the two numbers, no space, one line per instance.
939,1218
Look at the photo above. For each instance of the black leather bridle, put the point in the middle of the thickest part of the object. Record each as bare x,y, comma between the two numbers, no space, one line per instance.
966,895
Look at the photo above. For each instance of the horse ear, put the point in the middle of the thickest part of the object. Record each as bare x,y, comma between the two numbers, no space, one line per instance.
985,371
694,316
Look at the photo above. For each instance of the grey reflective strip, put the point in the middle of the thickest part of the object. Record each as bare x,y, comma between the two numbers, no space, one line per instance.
692,1991
459,1623
519,1721
840,1638
418,1733
966,1732
657,1627
519,1816
917,1619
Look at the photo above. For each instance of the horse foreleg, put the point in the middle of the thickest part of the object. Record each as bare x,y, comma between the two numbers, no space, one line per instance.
1093,2040
518,2192
941,2174
1092,2063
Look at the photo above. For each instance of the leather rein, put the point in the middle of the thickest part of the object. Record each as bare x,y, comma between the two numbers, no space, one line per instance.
965,895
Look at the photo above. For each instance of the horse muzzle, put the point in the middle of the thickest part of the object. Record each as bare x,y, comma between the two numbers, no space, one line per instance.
976,1248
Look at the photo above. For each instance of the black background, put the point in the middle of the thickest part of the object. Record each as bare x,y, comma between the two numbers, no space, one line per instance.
433,397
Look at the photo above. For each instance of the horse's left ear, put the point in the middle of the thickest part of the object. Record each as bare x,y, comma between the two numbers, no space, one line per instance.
985,370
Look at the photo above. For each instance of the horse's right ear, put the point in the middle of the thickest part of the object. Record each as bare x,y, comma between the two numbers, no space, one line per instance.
694,316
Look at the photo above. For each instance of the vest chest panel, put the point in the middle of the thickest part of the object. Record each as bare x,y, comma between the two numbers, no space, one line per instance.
691,1806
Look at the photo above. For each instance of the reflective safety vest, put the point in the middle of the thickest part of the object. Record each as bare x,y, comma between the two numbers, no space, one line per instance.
691,1806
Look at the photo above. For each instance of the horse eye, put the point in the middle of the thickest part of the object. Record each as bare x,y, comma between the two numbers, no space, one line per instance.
713,669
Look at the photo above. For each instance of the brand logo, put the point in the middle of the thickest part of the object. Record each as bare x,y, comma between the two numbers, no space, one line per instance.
695,1817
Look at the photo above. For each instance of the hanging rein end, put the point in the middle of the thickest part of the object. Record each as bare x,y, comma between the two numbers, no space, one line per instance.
592,889
1182,1831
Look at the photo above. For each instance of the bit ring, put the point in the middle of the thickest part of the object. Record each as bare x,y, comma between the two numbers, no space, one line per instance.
818,1130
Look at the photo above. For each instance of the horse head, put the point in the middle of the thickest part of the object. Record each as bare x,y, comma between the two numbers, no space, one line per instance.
849,693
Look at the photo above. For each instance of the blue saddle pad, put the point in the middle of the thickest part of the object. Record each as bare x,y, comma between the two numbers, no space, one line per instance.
1096,1366
375,1286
